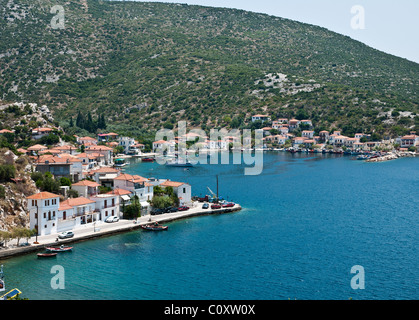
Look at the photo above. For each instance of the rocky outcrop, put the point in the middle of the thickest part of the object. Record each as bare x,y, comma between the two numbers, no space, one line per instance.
13,203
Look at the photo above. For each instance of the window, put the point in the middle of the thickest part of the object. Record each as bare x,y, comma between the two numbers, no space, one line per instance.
64,215
45,215
184,190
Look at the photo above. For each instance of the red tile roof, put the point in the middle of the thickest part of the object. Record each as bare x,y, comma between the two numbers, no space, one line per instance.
43,195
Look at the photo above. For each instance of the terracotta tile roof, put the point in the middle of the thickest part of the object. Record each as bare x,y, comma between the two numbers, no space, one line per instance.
64,207
87,183
104,170
129,177
43,195
99,148
74,202
174,184
5,131
37,147
119,192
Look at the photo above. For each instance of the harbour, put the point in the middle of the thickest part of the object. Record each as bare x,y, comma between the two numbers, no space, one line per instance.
298,237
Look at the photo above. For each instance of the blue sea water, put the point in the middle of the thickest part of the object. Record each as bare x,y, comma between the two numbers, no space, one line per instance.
306,221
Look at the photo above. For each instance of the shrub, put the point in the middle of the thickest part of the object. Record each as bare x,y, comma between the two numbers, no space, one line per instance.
7,172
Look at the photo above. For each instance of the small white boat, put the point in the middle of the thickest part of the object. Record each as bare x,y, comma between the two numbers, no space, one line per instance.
120,163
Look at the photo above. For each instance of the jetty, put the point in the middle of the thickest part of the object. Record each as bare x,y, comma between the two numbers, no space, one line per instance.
101,229
391,156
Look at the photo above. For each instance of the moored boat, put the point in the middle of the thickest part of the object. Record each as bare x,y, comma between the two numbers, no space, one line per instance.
154,227
59,249
147,159
177,163
120,163
47,255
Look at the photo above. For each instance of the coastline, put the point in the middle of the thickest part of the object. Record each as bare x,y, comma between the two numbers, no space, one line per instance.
92,231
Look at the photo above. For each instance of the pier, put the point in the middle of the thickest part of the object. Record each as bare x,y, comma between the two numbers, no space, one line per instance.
96,230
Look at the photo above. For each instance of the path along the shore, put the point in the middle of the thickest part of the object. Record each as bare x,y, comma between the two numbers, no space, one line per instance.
100,229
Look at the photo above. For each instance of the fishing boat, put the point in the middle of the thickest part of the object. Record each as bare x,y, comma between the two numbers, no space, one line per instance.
119,163
59,249
154,227
47,255
363,157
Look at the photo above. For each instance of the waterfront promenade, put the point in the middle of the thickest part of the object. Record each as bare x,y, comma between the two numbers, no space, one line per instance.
100,229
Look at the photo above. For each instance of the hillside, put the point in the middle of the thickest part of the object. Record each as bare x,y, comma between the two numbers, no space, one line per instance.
148,65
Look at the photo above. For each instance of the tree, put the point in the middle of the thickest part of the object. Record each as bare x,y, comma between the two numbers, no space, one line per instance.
133,210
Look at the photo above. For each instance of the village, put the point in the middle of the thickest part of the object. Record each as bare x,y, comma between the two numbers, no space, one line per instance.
99,190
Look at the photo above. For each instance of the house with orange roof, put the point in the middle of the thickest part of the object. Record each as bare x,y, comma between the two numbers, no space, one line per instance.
106,205
39,133
86,188
138,186
309,134
62,165
103,150
35,149
293,124
90,140
104,176
43,210
261,117
410,140
49,215
182,190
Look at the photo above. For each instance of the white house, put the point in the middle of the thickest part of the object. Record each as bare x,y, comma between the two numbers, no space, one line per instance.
38,133
126,143
138,186
86,188
106,205
309,134
261,117
182,190
164,146
43,212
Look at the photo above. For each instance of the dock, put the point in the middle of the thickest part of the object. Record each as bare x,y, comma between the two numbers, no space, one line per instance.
102,229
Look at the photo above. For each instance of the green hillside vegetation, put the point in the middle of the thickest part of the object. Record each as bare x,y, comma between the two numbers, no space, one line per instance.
144,66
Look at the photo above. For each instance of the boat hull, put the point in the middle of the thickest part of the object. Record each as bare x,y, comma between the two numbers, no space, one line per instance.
155,228
65,249
47,255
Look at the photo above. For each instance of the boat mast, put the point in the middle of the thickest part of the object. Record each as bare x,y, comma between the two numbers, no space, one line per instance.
217,187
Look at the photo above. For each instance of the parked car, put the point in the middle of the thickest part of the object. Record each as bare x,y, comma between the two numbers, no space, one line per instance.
205,206
228,205
112,219
156,211
183,208
215,206
66,234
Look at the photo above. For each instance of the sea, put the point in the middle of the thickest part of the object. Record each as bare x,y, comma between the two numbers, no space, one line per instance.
312,227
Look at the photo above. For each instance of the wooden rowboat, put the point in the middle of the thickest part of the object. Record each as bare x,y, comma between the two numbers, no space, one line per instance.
59,249
47,255
154,227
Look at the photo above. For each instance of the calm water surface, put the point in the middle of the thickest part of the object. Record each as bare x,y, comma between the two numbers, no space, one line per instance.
307,219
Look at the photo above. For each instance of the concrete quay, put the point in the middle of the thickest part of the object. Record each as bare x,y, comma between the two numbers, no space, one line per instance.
101,229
